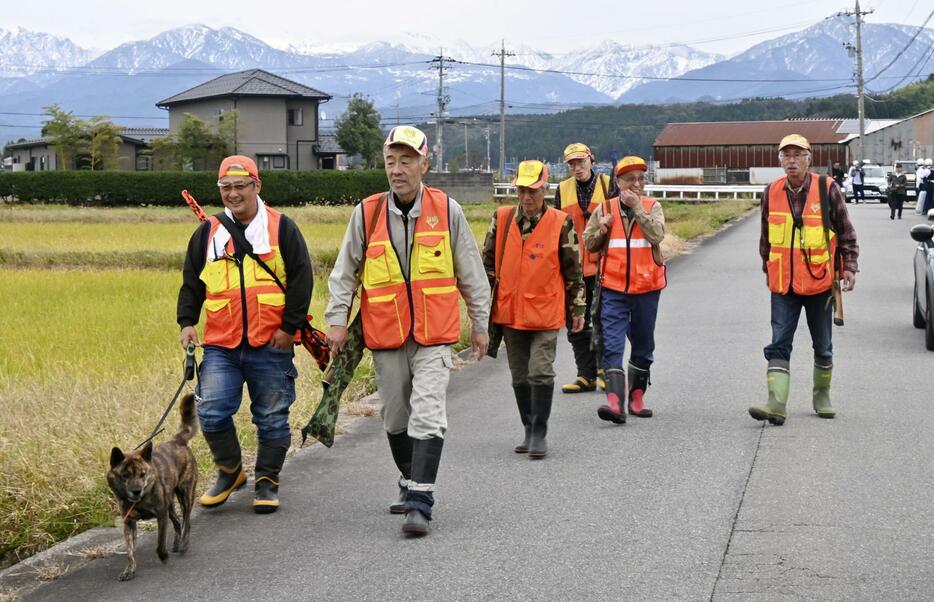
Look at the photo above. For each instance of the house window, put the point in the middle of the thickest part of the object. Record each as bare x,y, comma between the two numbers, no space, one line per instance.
272,162
295,117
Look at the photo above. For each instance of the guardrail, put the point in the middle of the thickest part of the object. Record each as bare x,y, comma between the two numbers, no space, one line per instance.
692,192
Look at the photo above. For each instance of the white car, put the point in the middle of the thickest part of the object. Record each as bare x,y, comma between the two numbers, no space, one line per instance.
875,184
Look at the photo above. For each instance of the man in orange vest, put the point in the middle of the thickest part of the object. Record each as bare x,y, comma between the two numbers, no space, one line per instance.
628,231
579,196
412,252
532,254
806,231
249,328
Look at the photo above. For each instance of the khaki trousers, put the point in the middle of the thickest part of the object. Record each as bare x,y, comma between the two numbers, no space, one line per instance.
413,383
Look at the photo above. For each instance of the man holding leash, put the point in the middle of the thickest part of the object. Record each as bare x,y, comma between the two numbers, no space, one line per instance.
579,196
531,252
412,251
231,268
806,230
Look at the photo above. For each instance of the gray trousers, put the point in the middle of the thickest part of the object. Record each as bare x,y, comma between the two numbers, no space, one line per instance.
531,355
413,383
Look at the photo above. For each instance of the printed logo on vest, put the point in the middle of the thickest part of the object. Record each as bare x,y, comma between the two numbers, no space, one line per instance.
432,221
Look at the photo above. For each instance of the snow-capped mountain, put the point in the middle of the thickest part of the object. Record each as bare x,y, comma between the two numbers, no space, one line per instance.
27,52
38,69
811,62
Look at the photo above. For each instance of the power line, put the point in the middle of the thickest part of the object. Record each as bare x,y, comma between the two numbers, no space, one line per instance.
902,51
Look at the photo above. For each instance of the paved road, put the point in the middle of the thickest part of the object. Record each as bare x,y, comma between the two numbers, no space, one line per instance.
699,502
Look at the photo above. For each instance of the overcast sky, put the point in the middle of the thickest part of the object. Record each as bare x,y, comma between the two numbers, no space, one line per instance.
724,26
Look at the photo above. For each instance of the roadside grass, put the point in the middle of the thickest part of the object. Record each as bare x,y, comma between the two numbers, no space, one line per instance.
89,356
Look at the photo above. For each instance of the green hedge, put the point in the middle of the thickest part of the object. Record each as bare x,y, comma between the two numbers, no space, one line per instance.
116,188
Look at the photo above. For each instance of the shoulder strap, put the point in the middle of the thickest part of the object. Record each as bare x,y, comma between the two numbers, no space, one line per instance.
240,239
826,213
502,244
372,225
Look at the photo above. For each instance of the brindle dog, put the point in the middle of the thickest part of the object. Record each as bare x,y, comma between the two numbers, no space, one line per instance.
147,483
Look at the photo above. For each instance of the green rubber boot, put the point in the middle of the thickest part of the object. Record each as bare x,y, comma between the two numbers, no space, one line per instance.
779,380
821,396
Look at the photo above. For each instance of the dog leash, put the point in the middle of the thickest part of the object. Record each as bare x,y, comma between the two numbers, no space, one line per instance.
191,368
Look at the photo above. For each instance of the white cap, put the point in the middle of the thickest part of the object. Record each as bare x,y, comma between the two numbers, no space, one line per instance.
855,162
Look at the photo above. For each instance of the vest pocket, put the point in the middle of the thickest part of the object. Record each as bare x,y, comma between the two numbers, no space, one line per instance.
270,307
214,276
431,255
777,225
382,313
441,316
813,237
538,309
774,266
218,323
376,266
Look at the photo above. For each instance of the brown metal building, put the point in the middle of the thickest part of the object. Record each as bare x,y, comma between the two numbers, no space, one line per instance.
739,145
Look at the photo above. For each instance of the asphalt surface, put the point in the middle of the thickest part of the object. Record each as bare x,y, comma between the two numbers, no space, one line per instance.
699,502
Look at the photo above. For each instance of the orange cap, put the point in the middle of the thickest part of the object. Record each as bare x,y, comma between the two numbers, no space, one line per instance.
238,165
631,163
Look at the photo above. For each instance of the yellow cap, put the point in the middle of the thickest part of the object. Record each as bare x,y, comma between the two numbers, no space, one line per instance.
531,174
576,150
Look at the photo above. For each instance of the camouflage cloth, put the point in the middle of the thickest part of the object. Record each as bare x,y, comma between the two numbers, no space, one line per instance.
323,422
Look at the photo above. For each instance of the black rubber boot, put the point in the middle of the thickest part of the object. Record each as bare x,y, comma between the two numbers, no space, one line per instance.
426,456
270,455
615,409
230,476
400,444
639,381
542,396
523,393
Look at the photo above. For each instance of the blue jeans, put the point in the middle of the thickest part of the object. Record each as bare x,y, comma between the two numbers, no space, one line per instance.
786,310
269,375
625,316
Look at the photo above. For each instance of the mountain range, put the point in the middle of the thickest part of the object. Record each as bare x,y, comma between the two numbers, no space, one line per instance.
38,69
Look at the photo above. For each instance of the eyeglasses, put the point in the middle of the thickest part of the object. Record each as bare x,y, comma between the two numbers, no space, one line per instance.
239,187
794,156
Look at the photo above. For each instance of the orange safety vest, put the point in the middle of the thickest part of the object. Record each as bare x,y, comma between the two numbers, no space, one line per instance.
530,294
569,205
425,305
799,259
629,265
231,286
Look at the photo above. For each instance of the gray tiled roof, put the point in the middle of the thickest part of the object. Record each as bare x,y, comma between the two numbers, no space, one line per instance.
140,136
327,145
253,82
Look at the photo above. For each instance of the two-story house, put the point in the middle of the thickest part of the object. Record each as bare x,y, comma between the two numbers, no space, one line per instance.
278,118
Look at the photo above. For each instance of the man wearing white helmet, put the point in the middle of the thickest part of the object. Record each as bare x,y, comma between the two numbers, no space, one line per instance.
922,174
857,175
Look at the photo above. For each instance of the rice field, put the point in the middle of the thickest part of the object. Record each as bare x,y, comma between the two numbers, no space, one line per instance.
89,354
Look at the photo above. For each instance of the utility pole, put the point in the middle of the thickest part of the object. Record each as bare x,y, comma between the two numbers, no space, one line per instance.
860,102
443,100
466,156
502,54
488,147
